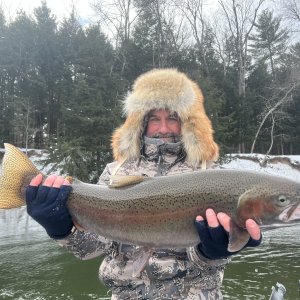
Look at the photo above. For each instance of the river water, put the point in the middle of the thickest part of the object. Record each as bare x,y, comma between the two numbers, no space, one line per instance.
34,267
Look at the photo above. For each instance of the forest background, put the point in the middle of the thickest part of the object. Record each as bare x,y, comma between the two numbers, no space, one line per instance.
62,82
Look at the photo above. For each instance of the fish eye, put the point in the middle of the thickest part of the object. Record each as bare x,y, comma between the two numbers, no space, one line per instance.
282,200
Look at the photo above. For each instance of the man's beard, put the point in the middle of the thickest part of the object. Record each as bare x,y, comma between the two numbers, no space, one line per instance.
168,137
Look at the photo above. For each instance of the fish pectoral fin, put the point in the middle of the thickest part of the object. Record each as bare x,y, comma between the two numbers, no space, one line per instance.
140,259
118,181
238,237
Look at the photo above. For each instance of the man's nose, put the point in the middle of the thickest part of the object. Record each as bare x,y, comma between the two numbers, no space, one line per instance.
164,128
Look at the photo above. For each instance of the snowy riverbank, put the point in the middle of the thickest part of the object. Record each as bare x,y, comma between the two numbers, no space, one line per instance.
281,165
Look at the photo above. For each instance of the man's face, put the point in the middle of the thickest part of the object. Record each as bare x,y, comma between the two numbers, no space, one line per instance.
163,124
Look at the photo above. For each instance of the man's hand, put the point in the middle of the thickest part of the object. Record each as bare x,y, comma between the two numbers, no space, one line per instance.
47,204
213,234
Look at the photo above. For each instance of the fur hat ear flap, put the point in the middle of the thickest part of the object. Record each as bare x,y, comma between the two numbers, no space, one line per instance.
126,141
197,133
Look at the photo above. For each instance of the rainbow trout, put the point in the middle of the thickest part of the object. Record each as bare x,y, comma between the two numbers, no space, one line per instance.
160,212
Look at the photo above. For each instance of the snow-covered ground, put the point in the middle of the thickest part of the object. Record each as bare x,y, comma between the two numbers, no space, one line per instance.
281,165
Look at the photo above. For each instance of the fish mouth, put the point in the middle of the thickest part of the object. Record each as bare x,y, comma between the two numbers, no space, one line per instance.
295,214
290,214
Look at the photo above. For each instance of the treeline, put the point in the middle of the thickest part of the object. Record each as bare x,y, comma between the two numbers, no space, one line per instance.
61,84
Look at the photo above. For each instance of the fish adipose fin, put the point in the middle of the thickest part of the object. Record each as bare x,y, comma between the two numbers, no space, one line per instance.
140,259
238,237
119,181
17,171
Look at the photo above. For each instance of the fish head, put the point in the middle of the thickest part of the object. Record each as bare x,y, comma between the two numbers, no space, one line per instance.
274,202
277,205
284,210
291,214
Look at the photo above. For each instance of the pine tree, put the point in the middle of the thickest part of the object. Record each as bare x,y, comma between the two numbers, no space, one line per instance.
90,111
291,69
270,41
5,112
19,72
49,65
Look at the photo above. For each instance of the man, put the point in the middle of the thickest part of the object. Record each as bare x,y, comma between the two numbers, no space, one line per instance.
166,132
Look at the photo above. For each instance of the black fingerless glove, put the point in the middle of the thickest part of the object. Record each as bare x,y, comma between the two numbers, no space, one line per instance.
214,241
47,206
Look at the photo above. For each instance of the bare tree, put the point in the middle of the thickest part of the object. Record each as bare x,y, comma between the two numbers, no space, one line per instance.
162,27
23,122
279,98
117,17
289,10
241,16
272,134
193,11
292,9
222,46
171,30
158,9
175,28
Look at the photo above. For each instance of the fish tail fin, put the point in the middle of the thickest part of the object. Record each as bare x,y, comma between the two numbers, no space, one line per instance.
17,171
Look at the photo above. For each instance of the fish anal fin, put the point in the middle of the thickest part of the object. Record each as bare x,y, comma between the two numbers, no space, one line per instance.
140,259
238,237
119,181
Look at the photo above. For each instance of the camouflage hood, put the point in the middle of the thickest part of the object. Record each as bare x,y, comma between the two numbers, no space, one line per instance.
172,90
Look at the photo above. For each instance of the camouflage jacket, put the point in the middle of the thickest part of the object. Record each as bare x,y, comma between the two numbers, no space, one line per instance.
170,273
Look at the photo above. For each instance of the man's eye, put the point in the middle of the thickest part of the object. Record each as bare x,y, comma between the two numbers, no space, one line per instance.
153,119
173,118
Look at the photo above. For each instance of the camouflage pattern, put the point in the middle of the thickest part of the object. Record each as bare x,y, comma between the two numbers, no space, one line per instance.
170,273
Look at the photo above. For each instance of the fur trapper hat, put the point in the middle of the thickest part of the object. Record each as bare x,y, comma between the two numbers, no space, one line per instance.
172,90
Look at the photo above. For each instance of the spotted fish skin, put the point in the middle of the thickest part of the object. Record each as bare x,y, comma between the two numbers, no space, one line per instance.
160,212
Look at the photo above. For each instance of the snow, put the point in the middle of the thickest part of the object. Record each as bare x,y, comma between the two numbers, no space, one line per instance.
280,165
253,162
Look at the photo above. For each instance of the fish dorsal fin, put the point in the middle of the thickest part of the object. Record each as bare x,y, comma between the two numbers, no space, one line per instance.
17,170
119,181
238,237
140,259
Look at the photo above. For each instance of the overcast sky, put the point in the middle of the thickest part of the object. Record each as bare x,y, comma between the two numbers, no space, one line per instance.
59,8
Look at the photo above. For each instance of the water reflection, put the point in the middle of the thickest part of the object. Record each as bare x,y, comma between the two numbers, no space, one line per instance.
34,267
251,275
